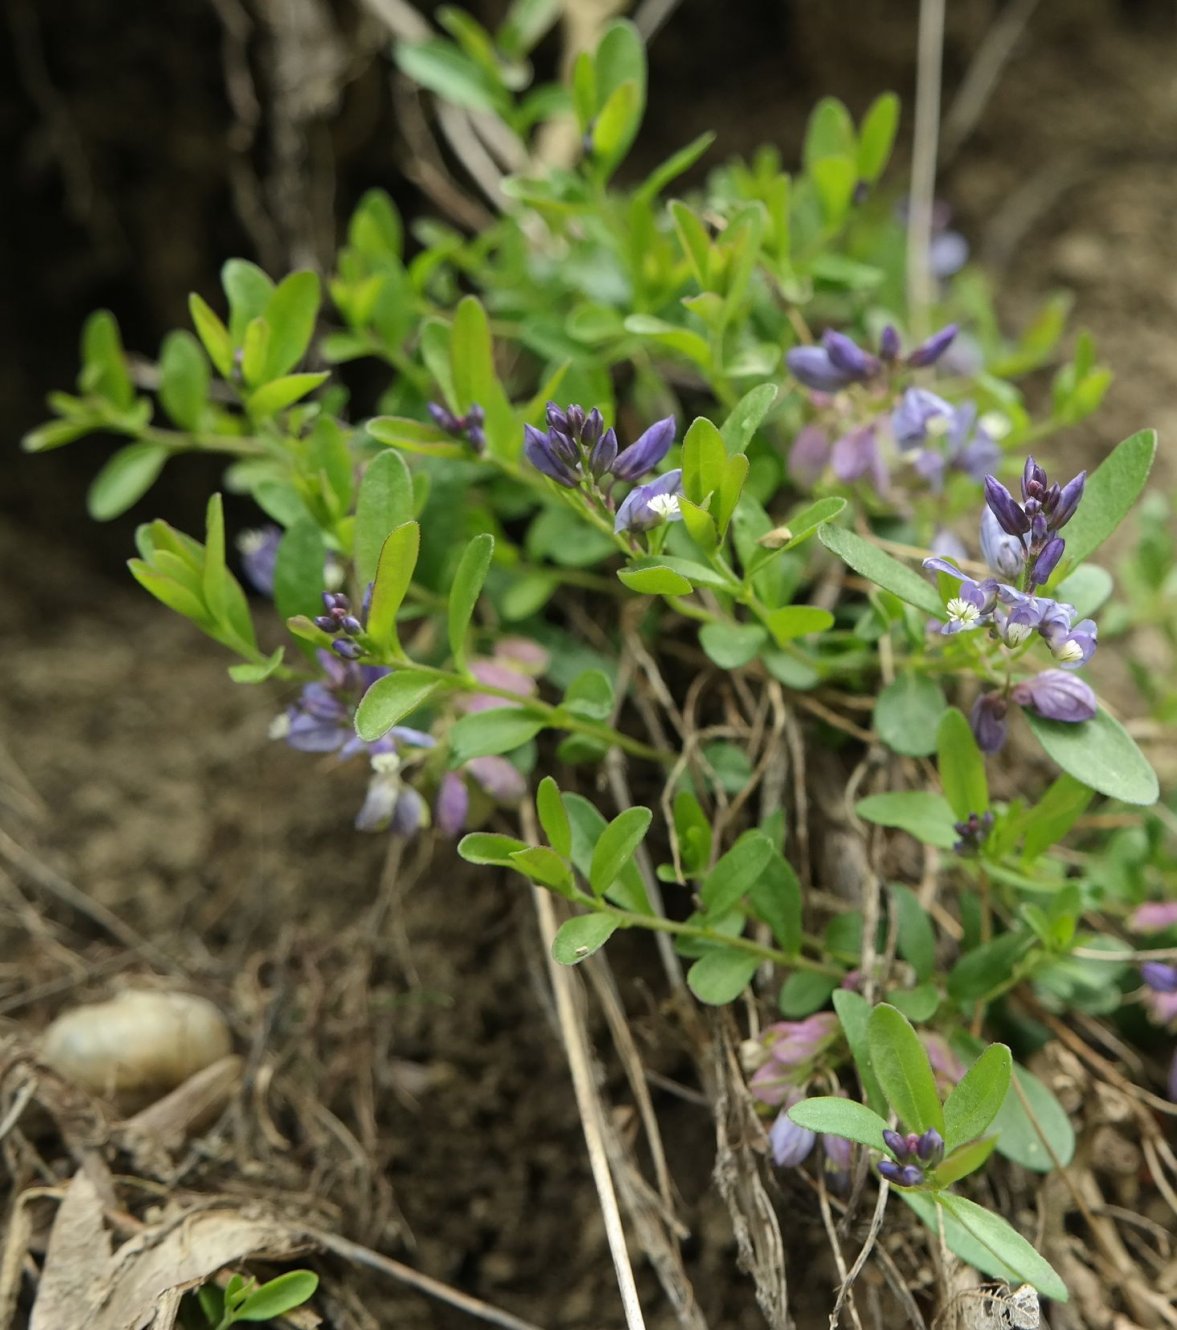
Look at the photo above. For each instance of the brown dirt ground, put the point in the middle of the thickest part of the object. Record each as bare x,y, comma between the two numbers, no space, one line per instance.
142,775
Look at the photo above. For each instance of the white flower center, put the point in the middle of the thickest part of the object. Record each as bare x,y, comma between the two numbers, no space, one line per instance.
1070,650
251,541
280,726
665,505
962,611
1016,633
386,764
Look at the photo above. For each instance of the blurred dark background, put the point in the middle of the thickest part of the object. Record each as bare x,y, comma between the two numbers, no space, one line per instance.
145,144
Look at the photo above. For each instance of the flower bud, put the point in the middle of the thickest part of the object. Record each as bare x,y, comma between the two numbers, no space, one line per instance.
790,1143
1068,501
930,1147
1161,978
643,455
1047,561
927,353
846,355
812,366
1056,695
988,722
1004,553
1008,512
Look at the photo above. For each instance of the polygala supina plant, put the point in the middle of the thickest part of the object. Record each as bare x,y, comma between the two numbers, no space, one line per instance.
663,490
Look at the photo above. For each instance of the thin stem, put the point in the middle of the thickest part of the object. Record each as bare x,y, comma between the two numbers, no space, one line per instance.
920,289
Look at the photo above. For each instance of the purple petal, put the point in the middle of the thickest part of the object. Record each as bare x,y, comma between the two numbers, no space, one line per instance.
927,353
790,1144
848,357
1153,916
542,455
644,454
1005,554
916,409
989,722
812,366
1057,695
452,805
948,254
1008,512
809,456
855,455
500,779
1161,978
1068,501
889,343
259,553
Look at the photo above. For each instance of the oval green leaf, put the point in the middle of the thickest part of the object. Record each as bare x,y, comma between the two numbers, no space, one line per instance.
1102,754
579,937
390,700
903,1070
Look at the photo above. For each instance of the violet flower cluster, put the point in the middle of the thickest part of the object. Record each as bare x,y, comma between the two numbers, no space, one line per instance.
1021,541
578,452
916,1155
468,427
859,437
790,1050
1160,1000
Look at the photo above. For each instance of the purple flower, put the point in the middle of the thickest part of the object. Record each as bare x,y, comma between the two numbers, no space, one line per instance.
847,356
972,832
1056,695
644,454
989,723
974,602
856,455
1161,978
930,1148
809,456
1153,916
390,805
259,553
545,454
1005,554
912,418
890,344
813,367
469,426
792,1048
790,1144
1071,647
1005,508
652,504
838,1158
452,804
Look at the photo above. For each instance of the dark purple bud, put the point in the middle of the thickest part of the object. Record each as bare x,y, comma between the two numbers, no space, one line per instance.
345,647
1047,561
812,366
350,624
477,437
901,1175
1008,512
1039,528
972,833
556,418
542,455
790,1144
1057,695
335,600
847,356
644,454
604,454
593,428
809,456
650,505
927,353
328,623
1161,978
989,722
930,1147
1068,501
443,418
889,344
1034,482
895,1142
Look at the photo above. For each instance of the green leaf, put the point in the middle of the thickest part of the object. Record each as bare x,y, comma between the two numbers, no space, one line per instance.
385,501
731,645
704,458
797,621
1017,1137
1111,490
213,333
693,238
867,559
616,126
482,847
615,847
746,417
1054,815
775,896
298,571
876,137
124,480
587,824
926,816
257,671
721,975
840,1117
589,695
805,992
183,379
1006,1244
394,572
278,394
1100,753
254,349
964,1160
903,1070
977,1097
389,700
674,166
465,590
684,341
278,1297
984,968
580,936
621,58
545,867
907,713
291,314
725,886
488,733
553,817
803,524
658,580
248,290
104,362
916,940
1086,588
854,1014
829,133
962,766
213,570
441,67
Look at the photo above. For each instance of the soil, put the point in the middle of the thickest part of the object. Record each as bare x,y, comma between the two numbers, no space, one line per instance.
400,1042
